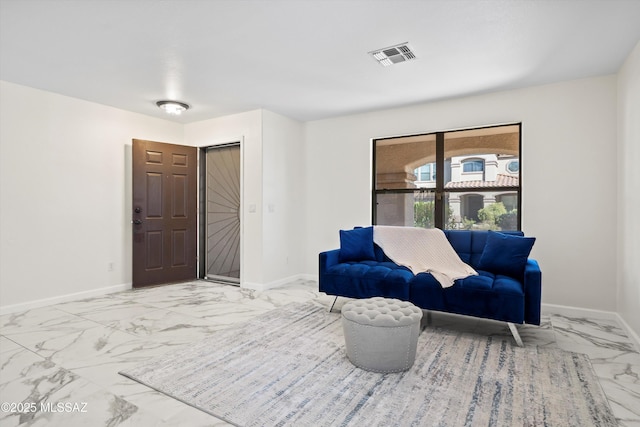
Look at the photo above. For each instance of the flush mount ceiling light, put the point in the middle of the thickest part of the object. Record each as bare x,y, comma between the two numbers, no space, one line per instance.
173,107
393,54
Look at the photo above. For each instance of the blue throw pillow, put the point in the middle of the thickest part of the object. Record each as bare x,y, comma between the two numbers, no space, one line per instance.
506,254
356,244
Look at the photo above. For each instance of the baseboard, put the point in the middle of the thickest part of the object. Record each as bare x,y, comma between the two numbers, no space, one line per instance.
565,310
278,283
630,332
311,277
29,305
252,285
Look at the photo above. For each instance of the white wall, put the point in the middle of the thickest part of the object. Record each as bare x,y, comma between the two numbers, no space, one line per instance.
65,185
284,230
273,183
65,193
568,205
246,128
628,193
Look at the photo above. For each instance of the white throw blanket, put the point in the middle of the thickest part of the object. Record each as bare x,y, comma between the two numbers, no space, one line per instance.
422,250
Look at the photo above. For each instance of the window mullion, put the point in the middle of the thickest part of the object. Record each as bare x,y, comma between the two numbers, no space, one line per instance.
438,215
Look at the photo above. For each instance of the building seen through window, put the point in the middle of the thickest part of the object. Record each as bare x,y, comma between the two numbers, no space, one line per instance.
468,179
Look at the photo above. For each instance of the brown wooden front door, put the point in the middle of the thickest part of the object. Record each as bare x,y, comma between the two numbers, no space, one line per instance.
164,213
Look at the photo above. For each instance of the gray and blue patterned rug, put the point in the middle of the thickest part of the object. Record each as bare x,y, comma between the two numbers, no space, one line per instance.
288,367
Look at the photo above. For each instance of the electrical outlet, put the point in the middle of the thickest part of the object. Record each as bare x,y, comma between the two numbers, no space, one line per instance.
111,266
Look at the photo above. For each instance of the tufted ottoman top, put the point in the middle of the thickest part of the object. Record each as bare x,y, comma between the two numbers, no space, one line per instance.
383,312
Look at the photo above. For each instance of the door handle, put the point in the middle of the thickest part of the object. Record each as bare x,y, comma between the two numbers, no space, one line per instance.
137,221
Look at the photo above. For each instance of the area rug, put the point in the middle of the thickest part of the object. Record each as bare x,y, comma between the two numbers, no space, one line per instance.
288,368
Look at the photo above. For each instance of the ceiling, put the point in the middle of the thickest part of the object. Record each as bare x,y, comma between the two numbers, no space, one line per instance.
305,59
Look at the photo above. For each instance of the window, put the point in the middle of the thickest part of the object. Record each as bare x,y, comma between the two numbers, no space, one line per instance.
473,165
471,204
466,179
510,201
426,173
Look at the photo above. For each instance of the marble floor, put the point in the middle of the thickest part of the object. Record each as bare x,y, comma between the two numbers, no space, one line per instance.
67,356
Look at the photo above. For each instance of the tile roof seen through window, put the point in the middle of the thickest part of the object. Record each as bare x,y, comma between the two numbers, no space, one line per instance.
501,181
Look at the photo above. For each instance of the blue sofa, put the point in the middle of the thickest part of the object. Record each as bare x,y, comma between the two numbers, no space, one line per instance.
513,297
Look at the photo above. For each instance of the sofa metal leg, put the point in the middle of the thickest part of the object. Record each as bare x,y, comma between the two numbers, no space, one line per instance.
334,303
516,334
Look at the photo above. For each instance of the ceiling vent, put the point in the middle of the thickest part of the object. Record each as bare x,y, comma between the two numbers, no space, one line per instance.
393,54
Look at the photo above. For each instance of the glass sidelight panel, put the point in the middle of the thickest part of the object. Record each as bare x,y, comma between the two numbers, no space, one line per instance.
223,213
405,162
484,177
404,180
406,208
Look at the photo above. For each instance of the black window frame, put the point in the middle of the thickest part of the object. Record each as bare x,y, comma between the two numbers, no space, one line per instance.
439,191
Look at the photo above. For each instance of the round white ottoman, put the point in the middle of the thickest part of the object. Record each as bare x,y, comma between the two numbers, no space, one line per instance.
381,334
